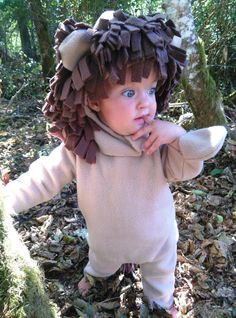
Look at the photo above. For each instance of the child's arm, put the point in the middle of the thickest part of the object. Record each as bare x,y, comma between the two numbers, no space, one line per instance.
45,177
183,158
182,152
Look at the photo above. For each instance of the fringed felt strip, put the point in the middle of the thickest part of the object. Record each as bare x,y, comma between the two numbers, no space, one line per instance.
113,77
66,89
86,148
136,22
136,42
178,54
104,37
137,72
148,64
103,24
125,38
77,79
84,69
155,39
120,15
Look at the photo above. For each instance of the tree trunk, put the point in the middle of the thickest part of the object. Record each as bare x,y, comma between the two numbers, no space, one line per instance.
25,37
201,92
34,47
4,56
22,285
44,39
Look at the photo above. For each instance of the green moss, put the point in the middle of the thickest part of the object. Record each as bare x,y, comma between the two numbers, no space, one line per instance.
206,100
212,93
37,303
22,292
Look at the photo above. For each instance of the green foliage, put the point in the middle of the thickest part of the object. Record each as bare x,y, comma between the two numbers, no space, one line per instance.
215,22
143,7
18,72
12,11
90,10
216,25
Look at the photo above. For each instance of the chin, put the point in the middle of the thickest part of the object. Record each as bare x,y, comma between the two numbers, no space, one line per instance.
127,132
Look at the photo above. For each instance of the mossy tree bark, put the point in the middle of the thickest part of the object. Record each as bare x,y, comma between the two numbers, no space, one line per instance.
22,292
25,37
4,54
201,92
44,38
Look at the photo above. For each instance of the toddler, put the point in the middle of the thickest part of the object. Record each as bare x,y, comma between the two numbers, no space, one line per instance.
111,82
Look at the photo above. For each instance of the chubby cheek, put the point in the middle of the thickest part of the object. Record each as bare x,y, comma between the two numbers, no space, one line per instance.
119,112
111,118
118,118
119,121
154,113
153,110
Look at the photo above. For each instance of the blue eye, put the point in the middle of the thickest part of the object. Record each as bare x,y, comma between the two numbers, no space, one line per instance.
152,91
129,93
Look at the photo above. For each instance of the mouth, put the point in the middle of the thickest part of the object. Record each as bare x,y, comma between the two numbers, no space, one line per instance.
141,119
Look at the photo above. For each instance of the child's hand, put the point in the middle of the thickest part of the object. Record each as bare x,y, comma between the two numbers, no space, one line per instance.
4,177
160,132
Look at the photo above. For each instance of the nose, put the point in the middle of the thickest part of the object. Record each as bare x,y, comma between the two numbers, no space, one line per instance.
143,101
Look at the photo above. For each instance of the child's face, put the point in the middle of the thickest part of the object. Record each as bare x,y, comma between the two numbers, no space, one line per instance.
129,105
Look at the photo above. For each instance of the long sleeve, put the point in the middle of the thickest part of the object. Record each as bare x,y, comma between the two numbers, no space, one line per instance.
183,159
45,177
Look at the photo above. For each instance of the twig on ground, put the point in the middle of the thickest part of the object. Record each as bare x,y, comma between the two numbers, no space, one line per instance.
15,96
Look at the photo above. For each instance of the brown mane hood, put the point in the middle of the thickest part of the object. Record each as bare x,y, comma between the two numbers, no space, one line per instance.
102,53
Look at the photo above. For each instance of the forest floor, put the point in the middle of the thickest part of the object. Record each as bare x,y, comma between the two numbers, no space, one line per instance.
55,232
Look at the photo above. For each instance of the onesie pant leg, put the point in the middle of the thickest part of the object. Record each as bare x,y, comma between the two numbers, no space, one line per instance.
99,267
158,276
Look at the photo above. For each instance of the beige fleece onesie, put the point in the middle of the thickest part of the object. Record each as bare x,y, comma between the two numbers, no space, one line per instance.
125,199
